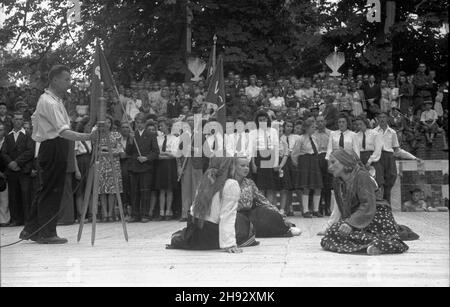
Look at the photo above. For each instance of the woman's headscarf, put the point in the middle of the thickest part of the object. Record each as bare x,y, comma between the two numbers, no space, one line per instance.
213,181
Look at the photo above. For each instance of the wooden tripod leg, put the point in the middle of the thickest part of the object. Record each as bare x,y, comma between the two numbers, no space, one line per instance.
95,200
87,197
116,184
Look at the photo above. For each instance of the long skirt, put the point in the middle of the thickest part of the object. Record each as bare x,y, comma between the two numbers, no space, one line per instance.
310,173
381,233
268,222
265,178
194,237
165,174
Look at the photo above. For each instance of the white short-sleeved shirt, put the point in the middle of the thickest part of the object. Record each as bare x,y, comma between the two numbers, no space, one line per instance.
50,118
349,142
389,138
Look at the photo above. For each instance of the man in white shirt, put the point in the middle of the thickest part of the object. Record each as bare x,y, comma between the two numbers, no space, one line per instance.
51,127
387,163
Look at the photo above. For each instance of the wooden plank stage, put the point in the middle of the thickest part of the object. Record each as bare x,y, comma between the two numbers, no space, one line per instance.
299,261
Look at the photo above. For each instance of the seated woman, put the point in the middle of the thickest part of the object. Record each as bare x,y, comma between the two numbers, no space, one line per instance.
215,222
265,217
366,224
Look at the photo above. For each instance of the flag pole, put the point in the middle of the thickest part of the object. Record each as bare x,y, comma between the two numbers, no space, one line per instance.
215,52
121,105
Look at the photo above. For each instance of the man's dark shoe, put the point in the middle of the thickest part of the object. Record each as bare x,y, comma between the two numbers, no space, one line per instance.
317,214
145,220
52,240
25,236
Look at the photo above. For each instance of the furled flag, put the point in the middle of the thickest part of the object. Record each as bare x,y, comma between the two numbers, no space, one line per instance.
211,67
216,93
101,73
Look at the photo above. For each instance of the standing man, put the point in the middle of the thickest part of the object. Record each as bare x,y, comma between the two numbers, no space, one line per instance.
51,127
372,95
322,136
141,169
18,153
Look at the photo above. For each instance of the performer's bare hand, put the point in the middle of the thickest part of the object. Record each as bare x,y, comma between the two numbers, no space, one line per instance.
345,229
13,166
234,250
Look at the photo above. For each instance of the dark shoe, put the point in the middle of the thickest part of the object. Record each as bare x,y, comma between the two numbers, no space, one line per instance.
327,212
52,240
183,220
317,214
145,220
13,224
159,219
168,218
133,220
4,225
25,236
256,243
307,215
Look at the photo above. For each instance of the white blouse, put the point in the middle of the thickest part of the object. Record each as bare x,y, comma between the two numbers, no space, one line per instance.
389,139
223,213
172,143
349,142
373,143
264,139
232,142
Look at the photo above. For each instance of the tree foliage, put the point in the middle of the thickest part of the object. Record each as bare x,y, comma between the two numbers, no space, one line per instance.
145,38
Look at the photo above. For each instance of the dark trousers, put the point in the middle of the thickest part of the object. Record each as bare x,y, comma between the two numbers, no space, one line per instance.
140,184
19,186
327,180
45,207
389,169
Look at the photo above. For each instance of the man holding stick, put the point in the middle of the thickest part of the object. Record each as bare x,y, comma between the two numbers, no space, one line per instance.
51,128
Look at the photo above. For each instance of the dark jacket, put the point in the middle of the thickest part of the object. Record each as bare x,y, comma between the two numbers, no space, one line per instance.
21,151
148,146
331,114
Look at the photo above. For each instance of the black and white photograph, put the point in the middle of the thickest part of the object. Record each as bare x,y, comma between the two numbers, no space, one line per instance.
224,150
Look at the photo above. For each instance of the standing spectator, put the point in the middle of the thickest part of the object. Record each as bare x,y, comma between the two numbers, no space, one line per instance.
322,137
124,167
330,114
372,96
5,119
406,92
107,186
411,130
388,166
396,122
4,206
83,151
166,170
393,95
306,157
141,168
17,152
277,101
385,97
423,85
357,97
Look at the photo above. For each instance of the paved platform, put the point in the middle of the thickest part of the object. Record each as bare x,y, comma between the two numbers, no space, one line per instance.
299,261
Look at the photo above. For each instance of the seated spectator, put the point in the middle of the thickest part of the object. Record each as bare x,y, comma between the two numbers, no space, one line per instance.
277,101
416,203
428,119
252,90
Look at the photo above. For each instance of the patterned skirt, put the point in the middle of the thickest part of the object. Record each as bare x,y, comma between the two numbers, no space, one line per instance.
381,233
106,182
194,237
